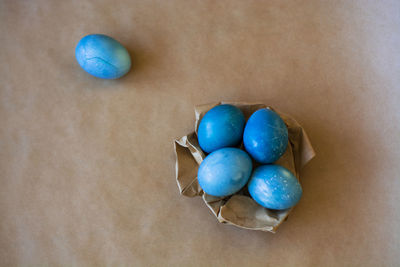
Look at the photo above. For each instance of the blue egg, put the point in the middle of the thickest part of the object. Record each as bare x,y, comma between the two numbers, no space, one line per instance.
224,172
102,56
274,187
222,126
265,136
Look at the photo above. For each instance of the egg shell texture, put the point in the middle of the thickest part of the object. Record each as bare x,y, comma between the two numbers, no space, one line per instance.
222,126
224,172
265,136
274,187
102,56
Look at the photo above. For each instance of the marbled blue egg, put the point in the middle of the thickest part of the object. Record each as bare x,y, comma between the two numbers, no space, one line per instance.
265,136
274,187
102,56
224,171
222,126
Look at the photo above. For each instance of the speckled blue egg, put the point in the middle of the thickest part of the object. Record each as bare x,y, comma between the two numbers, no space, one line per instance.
224,171
102,56
222,126
265,136
274,187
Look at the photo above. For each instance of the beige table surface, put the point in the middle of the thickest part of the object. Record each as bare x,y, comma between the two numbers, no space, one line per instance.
87,168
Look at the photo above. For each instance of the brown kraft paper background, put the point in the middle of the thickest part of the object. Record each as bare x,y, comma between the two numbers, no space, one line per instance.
87,165
239,209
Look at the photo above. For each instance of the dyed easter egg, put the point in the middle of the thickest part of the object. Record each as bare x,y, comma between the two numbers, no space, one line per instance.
222,126
274,187
102,56
224,171
265,136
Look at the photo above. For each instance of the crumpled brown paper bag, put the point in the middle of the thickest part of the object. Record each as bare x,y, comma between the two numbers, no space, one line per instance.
239,209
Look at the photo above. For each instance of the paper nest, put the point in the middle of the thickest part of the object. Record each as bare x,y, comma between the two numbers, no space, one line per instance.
239,209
